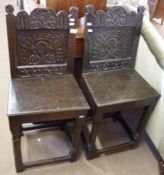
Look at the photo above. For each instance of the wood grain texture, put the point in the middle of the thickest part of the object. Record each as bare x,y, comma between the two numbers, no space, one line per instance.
117,87
45,95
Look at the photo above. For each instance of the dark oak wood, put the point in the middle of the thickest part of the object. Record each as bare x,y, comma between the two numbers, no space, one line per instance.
58,5
111,38
42,87
109,80
44,40
49,96
111,88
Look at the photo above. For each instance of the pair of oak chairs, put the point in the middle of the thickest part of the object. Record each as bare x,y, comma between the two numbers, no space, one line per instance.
43,89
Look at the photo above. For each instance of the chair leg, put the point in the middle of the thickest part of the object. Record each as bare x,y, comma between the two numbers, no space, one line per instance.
16,138
76,141
92,138
95,127
143,121
85,132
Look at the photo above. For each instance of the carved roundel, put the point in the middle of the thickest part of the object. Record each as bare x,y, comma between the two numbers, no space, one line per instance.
111,44
44,48
105,45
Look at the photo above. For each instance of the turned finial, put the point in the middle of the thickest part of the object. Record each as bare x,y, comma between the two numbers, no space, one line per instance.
74,10
141,9
90,9
9,9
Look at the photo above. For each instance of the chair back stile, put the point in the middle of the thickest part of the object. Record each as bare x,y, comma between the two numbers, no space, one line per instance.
111,38
38,42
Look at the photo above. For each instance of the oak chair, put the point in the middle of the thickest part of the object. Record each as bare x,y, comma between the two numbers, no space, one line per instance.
42,87
109,81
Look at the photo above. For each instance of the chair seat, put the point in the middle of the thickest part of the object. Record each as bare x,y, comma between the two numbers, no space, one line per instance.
45,95
117,87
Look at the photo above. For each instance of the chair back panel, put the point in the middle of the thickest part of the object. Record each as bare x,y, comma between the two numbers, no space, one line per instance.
111,38
41,42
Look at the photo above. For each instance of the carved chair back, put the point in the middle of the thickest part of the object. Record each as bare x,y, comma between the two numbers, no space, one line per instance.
111,38
81,4
40,44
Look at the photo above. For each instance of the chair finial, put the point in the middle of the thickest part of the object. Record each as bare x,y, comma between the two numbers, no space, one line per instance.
74,10
9,9
141,9
90,9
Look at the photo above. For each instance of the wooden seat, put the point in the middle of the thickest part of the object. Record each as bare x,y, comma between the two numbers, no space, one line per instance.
112,88
45,96
42,87
109,81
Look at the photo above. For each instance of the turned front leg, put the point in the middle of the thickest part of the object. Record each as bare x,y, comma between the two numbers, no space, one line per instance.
16,131
142,123
77,139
